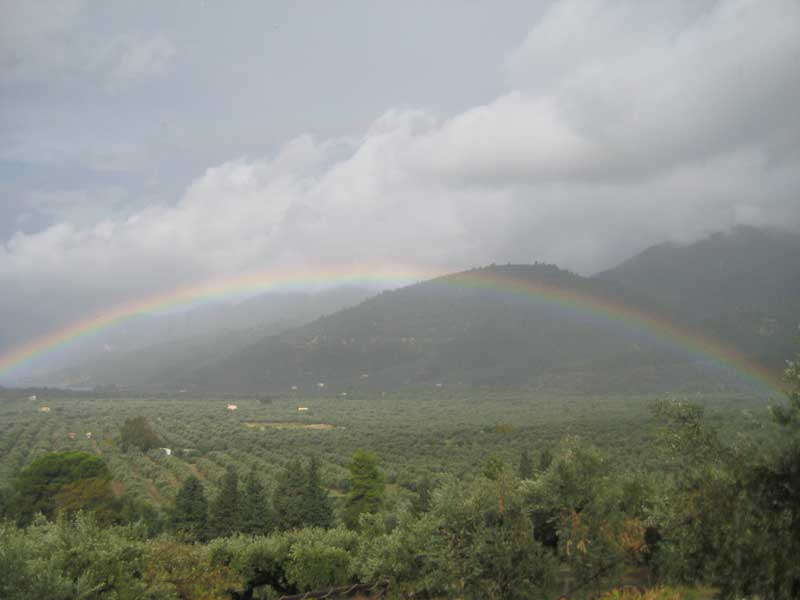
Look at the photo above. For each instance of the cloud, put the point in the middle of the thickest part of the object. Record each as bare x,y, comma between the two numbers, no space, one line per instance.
622,127
32,37
132,59
78,205
48,42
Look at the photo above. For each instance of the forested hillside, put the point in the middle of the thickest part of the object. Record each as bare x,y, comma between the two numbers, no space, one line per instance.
741,288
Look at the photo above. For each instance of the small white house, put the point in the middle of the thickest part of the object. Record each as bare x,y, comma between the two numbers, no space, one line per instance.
88,435
343,394
294,388
320,385
232,407
302,409
167,451
44,409
32,398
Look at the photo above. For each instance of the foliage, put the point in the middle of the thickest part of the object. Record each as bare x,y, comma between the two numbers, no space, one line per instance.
586,507
494,467
72,559
525,469
56,479
289,497
137,432
320,559
259,562
316,500
743,498
225,511
424,489
92,494
186,571
190,514
256,515
366,487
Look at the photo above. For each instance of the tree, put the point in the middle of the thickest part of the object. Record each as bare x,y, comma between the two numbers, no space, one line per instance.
545,458
525,465
92,494
37,486
743,498
137,432
316,501
366,487
190,514
256,518
288,499
422,502
226,510
494,467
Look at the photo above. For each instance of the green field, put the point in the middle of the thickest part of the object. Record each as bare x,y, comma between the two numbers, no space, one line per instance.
411,435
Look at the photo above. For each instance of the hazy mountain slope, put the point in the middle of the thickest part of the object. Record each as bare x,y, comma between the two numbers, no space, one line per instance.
743,286
443,331
206,334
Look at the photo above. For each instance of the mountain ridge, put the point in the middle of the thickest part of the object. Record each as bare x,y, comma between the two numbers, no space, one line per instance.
449,331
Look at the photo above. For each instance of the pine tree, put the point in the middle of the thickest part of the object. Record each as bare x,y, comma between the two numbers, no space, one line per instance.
256,514
422,503
317,504
366,487
225,514
288,500
191,509
525,465
545,459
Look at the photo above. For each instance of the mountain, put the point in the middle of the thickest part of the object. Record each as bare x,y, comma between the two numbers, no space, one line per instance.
479,329
742,286
150,352
448,331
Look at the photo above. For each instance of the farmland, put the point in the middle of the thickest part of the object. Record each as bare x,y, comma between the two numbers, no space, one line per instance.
412,435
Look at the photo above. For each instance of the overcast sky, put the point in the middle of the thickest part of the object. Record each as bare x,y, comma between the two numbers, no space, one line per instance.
145,146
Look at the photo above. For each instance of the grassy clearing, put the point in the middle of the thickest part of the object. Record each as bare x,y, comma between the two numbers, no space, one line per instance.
264,425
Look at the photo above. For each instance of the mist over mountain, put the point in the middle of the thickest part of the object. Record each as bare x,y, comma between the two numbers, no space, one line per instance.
741,287
149,350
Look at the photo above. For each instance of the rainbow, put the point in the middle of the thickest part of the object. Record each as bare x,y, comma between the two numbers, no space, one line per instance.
394,276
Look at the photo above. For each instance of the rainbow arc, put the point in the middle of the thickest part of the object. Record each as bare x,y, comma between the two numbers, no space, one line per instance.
497,279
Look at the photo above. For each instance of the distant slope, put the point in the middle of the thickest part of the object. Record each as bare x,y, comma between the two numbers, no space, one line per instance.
445,332
743,286
205,335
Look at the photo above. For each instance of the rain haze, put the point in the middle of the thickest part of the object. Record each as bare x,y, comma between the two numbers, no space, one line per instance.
151,147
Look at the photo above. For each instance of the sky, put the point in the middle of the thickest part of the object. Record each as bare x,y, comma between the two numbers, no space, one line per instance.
146,146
